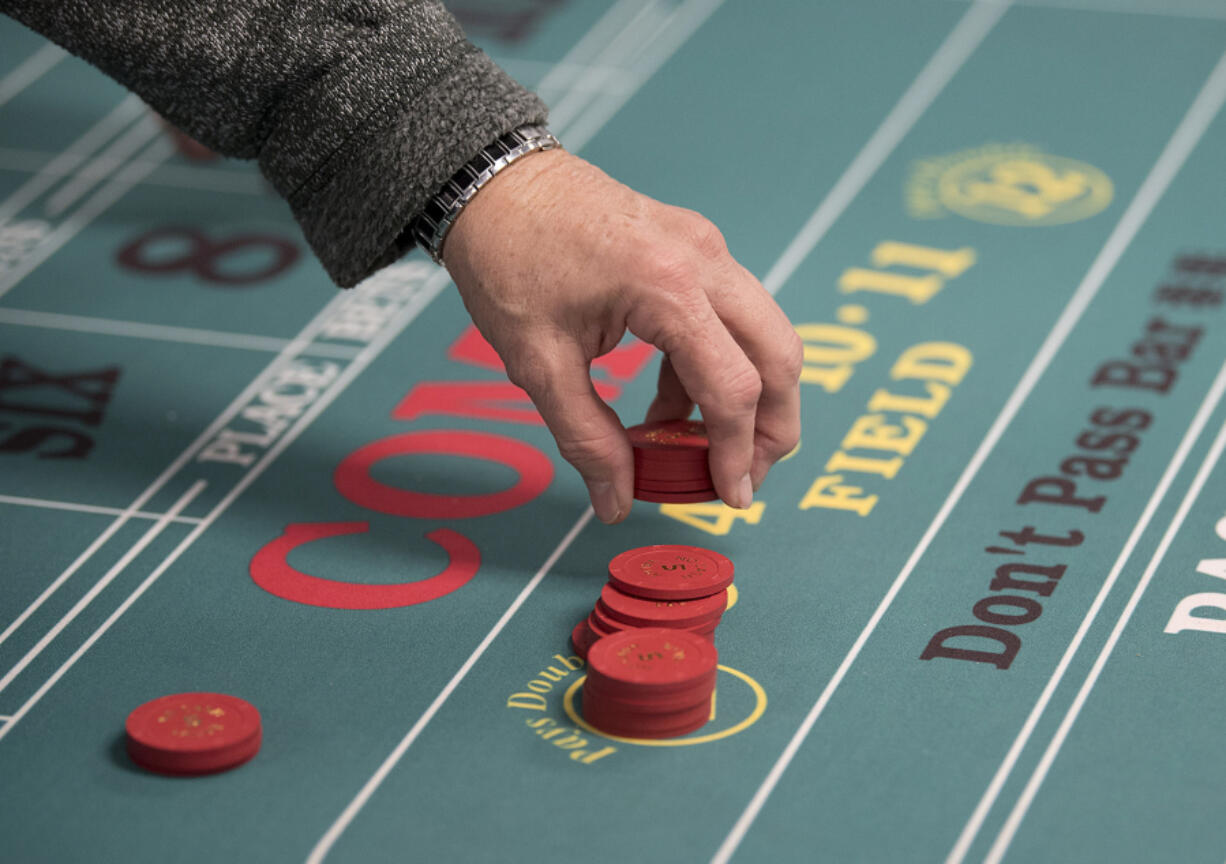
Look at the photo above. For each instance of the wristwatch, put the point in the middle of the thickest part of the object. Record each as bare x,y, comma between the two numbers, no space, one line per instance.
429,228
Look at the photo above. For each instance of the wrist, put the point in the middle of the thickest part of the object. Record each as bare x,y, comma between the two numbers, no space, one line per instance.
433,224
503,209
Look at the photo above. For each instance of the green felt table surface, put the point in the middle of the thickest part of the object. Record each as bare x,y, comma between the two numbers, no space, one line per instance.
979,611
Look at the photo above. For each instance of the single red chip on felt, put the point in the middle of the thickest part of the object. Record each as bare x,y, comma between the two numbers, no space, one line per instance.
193,733
681,435
670,572
637,612
651,660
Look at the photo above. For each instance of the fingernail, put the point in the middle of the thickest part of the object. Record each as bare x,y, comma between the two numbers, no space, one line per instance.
744,492
604,501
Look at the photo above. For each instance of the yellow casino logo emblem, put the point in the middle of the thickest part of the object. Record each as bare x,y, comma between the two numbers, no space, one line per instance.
1007,184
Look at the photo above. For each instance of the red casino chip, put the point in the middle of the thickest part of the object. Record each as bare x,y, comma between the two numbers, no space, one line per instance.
582,638
633,611
624,730
664,703
667,463
633,725
649,661
670,462
606,623
698,476
707,631
193,733
598,629
676,435
666,486
653,497
670,572
602,716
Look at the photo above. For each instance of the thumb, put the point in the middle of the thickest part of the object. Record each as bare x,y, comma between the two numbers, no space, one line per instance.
589,434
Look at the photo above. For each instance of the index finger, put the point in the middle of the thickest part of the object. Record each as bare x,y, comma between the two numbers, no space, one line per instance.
720,378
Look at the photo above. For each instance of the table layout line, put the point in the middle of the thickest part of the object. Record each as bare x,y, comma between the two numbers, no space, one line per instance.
226,496
1188,133
393,328
1138,210
646,26
159,151
208,179
115,156
674,31
139,546
68,162
959,45
337,828
304,338
320,851
164,333
46,504
525,70
359,801
30,70
295,348
1020,808
1160,9
618,17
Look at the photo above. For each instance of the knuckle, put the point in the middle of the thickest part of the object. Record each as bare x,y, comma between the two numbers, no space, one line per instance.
678,331
792,358
530,370
742,389
667,267
705,236
583,450
779,443
670,305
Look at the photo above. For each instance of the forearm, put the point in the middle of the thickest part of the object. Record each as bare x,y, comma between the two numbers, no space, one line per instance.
357,111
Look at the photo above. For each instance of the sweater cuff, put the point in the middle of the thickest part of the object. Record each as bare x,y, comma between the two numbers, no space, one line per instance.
355,208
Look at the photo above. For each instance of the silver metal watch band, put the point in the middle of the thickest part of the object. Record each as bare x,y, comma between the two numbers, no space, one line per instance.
430,227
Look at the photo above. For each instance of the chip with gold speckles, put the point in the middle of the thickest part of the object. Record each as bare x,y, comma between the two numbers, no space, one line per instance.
193,733
650,682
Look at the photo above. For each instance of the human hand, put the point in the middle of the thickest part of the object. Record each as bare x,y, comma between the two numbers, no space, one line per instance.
555,261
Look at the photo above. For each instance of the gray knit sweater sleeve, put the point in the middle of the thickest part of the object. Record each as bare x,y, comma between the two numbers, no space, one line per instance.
358,110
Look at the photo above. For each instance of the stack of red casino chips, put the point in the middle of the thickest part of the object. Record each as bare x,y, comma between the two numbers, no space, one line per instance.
678,587
670,462
654,682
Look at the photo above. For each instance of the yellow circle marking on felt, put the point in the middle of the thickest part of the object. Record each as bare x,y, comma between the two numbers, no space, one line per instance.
786,456
733,596
1023,187
759,708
